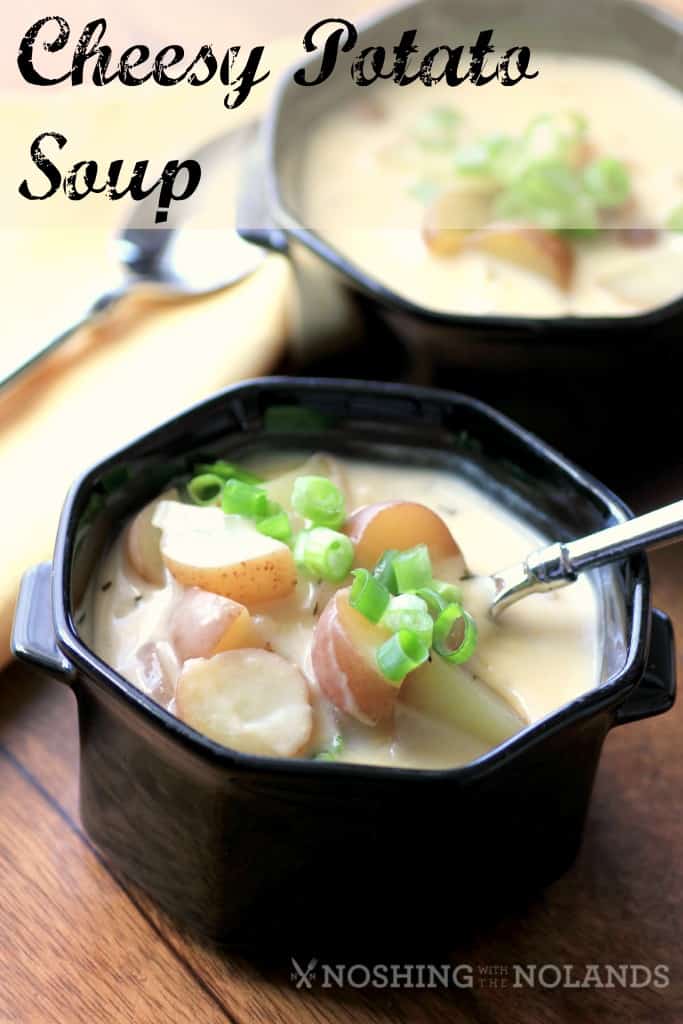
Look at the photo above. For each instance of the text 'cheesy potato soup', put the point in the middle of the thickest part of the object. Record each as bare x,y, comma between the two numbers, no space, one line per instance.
321,607
560,196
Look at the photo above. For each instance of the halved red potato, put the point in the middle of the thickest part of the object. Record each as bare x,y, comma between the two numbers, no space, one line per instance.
203,624
343,658
142,543
452,217
542,252
375,529
251,700
227,555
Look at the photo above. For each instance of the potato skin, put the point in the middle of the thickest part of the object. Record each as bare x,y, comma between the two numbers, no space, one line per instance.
142,543
377,528
250,582
542,252
342,653
203,624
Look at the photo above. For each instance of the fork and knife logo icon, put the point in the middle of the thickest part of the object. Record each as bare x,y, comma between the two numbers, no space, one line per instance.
303,977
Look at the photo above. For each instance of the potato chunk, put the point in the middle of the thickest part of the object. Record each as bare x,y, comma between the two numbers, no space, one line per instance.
452,217
542,252
449,693
143,542
375,529
203,624
251,700
343,658
227,555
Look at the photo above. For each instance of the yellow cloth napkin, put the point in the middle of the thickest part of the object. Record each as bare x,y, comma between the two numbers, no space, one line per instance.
121,377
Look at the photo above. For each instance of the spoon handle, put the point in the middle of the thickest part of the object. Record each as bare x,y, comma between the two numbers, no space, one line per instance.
566,561
559,564
37,355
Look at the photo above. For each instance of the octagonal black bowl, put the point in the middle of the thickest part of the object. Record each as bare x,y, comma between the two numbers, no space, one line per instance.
629,347
249,849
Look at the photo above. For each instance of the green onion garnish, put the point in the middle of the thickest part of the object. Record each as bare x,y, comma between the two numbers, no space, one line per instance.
276,524
335,749
401,654
228,471
324,553
438,128
675,220
548,194
409,612
368,596
316,498
449,592
384,571
413,569
205,489
436,602
240,499
443,629
608,182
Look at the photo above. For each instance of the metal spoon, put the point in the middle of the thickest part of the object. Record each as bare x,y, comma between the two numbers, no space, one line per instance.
559,564
199,252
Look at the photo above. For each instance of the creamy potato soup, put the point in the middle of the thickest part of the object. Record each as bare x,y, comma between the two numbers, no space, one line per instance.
562,195
316,607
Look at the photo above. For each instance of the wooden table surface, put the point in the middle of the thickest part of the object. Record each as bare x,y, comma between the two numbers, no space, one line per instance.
78,945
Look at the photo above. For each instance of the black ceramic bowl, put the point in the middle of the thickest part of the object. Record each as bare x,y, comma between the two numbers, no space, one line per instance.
270,210
244,848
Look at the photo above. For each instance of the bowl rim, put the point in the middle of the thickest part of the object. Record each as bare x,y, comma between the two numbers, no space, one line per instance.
603,698
287,221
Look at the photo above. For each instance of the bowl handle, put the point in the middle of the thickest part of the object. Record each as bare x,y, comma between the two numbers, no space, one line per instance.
656,692
33,633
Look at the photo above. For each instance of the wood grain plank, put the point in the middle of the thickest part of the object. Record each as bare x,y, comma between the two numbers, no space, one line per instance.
73,947
620,904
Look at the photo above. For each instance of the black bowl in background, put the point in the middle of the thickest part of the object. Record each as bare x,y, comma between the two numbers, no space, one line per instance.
270,211
256,850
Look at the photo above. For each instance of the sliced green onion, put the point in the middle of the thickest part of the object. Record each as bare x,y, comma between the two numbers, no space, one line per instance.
384,571
555,137
438,128
324,553
409,612
550,195
228,471
443,629
276,524
425,190
435,602
205,489
675,221
495,156
368,596
318,499
608,182
449,592
335,749
413,569
401,654
240,499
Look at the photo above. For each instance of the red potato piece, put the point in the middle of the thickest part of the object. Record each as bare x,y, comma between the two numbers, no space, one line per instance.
452,217
227,555
142,543
542,252
343,658
250,700
375,529
203,624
